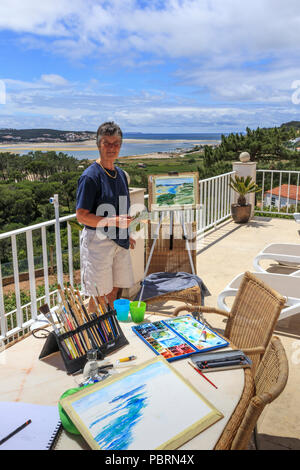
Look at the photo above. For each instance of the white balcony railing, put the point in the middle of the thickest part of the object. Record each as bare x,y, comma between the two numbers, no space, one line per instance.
17,321
215,200
280,191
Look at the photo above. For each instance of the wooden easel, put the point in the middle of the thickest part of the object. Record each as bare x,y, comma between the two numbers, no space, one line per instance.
155,238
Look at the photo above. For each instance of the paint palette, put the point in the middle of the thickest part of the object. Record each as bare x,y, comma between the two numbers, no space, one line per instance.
179,337
162,340
196,333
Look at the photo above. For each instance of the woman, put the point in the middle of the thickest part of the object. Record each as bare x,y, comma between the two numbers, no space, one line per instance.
102,206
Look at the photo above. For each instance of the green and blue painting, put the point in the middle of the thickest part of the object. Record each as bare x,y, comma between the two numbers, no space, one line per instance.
174,191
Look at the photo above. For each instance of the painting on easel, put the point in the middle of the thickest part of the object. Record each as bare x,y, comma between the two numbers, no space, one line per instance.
129,411
167,192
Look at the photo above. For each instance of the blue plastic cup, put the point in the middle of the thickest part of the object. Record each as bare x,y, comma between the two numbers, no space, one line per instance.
122,308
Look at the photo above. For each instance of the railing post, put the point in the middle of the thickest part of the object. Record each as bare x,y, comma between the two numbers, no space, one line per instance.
31,272
70,254
59,265
246,169
3,325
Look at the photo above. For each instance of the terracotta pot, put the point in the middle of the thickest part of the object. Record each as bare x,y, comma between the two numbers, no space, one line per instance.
240,214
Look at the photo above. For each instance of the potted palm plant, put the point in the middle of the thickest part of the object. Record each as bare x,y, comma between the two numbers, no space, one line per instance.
241,211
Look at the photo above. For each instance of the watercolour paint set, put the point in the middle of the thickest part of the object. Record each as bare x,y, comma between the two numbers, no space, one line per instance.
179,337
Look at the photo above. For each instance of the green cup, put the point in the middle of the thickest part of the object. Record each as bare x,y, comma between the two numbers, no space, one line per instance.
137,313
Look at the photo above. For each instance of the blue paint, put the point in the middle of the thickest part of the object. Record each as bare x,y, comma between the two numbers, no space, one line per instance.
118,434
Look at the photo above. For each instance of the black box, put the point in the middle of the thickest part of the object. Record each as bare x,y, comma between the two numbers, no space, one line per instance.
110,342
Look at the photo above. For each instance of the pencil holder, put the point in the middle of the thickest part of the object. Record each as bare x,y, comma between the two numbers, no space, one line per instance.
102,333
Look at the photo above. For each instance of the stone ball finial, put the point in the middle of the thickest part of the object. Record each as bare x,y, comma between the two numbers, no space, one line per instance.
244,157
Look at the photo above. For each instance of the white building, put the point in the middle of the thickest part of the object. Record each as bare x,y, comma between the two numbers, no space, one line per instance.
282,196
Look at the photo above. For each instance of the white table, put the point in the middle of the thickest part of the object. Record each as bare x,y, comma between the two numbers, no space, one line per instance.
25,378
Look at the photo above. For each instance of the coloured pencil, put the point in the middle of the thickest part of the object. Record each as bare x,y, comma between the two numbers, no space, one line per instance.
111,319
75,319
93,329
200,373
107,322
69,341
104,323
70,321
79,319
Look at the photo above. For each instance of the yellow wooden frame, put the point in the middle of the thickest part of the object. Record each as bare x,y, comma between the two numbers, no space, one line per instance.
152,201
212,417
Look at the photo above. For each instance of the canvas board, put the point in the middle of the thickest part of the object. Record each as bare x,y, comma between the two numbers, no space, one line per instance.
173,192
148,407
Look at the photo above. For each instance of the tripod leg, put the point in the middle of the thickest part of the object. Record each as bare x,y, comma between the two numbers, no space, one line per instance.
150,255
171,229
187,245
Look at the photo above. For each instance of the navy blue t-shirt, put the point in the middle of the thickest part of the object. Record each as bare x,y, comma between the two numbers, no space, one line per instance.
95,188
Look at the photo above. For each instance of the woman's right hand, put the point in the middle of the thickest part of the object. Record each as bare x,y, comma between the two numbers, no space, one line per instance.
121,221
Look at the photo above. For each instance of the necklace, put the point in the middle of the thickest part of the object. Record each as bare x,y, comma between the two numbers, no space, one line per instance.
111,176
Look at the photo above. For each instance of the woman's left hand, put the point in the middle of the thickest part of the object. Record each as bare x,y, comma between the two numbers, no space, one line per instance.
132,243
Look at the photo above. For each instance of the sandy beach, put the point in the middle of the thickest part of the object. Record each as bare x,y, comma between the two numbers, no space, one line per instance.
91,144
57,146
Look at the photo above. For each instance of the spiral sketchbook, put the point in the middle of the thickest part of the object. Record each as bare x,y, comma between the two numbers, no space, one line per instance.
40,434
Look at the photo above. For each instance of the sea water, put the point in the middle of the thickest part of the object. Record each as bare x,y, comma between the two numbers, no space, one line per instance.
142,144
165,143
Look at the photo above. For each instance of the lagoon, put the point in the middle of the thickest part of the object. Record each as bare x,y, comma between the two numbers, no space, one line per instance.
133,144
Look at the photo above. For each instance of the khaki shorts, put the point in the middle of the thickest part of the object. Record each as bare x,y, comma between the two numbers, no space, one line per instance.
103,263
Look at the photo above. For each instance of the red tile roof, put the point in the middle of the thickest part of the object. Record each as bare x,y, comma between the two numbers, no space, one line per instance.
284,192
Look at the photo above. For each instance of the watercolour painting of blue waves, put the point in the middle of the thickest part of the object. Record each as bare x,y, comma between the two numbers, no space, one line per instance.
117,435
141,411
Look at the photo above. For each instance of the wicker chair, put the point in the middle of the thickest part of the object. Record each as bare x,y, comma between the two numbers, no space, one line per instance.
252,318
270,380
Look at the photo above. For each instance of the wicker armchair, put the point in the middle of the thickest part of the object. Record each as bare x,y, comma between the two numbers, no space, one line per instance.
270,380
252,318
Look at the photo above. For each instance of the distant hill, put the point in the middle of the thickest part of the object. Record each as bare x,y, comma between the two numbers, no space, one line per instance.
43,135
291,124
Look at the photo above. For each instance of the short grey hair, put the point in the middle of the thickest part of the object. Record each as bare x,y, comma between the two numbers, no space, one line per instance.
108,128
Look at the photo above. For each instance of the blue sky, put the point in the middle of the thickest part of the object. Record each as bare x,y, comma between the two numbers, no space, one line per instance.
152,66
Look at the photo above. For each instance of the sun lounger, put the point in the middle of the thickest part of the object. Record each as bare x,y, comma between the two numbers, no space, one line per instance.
286,285
297,217
286,254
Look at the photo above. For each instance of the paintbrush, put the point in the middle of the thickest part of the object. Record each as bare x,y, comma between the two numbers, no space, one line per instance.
96,334
69,342
104,326
45,310
98,303
79,319
70,322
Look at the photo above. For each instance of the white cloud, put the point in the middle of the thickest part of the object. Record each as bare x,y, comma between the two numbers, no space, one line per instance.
77,107
38,17
170,28
229,53
54,79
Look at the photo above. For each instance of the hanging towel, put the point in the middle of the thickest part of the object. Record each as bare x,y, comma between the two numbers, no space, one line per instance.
157,284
